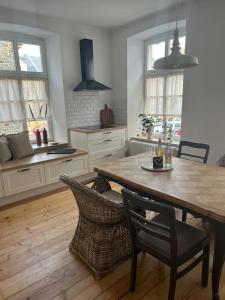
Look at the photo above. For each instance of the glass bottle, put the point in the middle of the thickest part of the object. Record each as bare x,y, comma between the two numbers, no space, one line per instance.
159,149
168,154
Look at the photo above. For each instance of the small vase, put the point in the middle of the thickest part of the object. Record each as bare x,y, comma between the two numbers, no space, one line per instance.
150,132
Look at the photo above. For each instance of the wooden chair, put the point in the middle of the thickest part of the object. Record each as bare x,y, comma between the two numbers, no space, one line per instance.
170,241
101,237
200,158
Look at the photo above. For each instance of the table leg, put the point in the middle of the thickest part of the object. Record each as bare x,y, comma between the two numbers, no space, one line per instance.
218,260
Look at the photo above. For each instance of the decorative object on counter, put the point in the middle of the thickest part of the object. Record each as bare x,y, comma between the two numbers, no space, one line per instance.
149,167
45,136
20,145
148,122
106,116
38,137
5,153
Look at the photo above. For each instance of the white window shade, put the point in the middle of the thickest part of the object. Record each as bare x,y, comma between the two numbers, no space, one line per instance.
11,107
164,95
174,94
35,99
154,95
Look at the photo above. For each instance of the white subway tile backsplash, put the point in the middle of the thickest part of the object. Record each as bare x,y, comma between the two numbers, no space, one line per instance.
84,108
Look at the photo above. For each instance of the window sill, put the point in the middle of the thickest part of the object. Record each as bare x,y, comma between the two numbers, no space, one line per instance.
153,140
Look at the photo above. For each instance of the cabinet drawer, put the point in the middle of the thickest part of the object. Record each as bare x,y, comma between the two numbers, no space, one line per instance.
1,187
112,144
106,134
98,159
71,166
23,179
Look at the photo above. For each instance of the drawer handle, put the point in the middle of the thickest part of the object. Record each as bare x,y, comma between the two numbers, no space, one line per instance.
109,140
23,170
108,155
107,132
68,160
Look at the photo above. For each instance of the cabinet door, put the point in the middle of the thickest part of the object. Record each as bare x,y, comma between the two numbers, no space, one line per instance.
72,167
23,179
107,144
1,187
95,160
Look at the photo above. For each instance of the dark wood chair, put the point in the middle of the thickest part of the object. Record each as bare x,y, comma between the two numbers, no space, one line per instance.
187,155
170,241
192,145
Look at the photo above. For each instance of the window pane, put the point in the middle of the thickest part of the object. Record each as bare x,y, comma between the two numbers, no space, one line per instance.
155,51
7,61
182,41
174,124
30,57
32,126
11,127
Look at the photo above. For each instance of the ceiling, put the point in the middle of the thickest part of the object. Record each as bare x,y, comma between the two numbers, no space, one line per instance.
103,13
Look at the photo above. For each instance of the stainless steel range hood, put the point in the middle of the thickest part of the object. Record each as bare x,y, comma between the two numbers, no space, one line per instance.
87,69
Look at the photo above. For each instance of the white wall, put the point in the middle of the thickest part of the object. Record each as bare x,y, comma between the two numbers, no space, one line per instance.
135,83
204,88
68,33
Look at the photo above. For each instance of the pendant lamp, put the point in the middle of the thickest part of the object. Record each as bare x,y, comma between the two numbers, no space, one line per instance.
176,60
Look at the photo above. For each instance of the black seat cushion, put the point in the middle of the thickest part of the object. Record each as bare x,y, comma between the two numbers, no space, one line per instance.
188,238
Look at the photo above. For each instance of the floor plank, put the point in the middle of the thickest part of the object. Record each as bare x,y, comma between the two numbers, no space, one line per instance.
35,262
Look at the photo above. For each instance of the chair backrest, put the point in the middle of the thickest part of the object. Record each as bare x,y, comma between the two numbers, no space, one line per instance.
192,145
135,205
91,204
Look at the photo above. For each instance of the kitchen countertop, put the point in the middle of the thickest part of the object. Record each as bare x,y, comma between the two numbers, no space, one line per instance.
36,159
85,130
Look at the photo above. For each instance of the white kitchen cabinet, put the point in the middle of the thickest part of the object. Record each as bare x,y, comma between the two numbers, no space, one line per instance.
23,179
72,167
1,187
95,160
102,145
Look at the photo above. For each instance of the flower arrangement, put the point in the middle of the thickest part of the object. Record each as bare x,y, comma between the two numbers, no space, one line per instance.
148,122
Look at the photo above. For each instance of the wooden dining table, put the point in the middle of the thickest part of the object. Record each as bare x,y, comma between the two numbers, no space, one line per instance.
195,187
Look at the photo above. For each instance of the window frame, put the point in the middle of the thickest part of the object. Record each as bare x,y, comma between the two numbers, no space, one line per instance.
163,37
19,75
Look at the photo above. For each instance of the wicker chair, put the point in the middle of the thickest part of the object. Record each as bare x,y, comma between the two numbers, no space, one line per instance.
101,238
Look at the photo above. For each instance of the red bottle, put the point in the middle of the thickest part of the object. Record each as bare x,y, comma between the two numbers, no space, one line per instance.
38,137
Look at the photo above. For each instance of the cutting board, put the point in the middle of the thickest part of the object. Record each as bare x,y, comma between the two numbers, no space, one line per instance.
106,116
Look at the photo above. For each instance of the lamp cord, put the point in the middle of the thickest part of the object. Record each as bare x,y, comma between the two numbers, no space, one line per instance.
177,7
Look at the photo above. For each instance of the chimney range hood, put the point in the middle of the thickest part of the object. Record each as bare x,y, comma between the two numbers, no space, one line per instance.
87,69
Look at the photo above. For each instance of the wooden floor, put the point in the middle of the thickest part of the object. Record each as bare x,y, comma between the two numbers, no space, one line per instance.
35,262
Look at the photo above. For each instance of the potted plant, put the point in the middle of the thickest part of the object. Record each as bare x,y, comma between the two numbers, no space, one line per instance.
148,122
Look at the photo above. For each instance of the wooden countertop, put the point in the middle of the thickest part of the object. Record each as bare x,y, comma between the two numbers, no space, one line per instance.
83,130
36,159
192,185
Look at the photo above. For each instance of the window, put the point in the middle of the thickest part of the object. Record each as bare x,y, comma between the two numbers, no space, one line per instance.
164,89
24,103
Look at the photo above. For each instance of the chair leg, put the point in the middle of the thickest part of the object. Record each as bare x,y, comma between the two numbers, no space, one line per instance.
205,266
184,216
133,270
173,281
